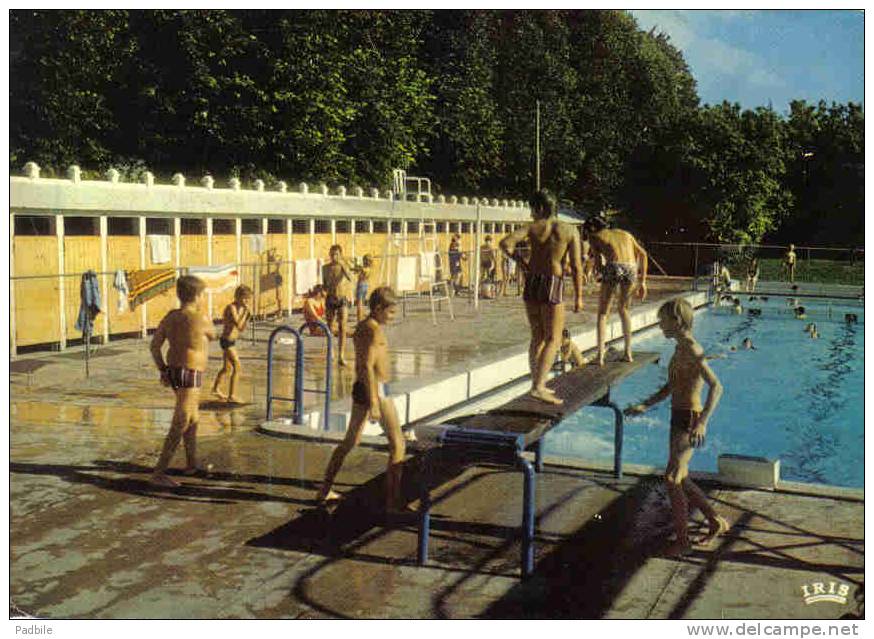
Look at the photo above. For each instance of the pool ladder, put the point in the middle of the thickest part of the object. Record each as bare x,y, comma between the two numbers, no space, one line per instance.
299,390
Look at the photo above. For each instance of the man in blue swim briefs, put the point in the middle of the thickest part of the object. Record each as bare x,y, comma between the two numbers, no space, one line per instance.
549,241
624,271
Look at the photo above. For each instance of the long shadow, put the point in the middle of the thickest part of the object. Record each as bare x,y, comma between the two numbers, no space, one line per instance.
142,487
581,578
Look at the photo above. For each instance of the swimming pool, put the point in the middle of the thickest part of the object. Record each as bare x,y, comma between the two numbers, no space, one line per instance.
793,398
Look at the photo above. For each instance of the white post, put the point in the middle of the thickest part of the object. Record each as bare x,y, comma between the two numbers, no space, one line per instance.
209,262
404,236
312,238
477,240
289,289
177,241
352,233
59,234
144,318
104,279
333,231
12,348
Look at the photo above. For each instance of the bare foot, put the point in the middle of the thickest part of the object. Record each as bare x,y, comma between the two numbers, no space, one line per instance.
628,357
342,362
160,479
331,496
601,360
718,527
219,394
678,549
400,509
544,395
235,400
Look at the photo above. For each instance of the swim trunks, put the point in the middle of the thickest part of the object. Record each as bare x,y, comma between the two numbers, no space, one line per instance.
684,419
361,396
361,292
181,377
619,273
226,343
543,289
334,303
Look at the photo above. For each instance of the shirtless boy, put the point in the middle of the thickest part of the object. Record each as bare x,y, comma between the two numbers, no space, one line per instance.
337,278
789,262
570,352
235,317
549,241
369,400
623,272
687,373
364,272
188,331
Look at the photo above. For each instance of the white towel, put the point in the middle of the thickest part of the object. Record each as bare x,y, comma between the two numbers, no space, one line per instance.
160,247
257,243
406,273
427,267
217,278
120,284
306,275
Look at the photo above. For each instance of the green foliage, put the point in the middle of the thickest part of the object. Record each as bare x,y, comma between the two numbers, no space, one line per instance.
347,96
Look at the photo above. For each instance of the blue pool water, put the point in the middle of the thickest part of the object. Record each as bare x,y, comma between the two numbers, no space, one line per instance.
794,398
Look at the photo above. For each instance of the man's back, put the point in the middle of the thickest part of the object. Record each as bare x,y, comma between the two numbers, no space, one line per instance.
549,239
616,245
186,331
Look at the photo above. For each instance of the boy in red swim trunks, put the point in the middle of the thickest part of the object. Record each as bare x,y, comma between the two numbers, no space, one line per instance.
687,374
188,332
549,241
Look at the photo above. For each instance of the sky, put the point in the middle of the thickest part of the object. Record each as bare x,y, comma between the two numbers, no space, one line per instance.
775,56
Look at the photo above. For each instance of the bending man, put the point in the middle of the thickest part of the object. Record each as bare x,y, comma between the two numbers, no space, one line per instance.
549,241
625,270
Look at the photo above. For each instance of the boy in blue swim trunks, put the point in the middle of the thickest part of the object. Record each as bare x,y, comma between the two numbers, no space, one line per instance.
188,331
623,272
550,241
362,286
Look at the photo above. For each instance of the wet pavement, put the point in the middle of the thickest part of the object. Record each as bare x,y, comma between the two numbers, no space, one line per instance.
91,538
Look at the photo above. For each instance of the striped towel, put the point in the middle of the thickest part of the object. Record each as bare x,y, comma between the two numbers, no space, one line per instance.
217,278
144,285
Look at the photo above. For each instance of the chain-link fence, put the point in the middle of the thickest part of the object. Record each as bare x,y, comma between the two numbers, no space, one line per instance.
812,264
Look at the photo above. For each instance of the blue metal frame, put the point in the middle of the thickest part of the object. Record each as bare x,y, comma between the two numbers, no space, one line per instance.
507,448
297,400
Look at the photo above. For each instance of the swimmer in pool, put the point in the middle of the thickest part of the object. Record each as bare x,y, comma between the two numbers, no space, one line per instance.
688,371
550,240
748,344
369,400
737,308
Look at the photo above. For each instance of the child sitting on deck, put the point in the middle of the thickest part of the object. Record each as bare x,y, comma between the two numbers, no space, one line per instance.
235,317
188,332
569,351
369,400
687,373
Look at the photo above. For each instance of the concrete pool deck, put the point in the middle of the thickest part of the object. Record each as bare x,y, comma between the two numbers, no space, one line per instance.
90,538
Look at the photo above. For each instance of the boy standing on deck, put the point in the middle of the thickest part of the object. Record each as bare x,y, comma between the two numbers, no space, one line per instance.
624,271
337,278
687,373
369,400
188,332
235,317
549,241
789,263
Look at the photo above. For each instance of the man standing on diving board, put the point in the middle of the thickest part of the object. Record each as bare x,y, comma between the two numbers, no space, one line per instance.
623,273
549,240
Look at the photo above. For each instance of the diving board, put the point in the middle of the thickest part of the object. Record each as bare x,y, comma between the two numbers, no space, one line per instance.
503,434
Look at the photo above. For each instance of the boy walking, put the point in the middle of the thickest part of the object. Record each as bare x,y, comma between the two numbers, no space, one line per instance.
624,271
369,400
188,331
337,278
549,241
235,317
687,373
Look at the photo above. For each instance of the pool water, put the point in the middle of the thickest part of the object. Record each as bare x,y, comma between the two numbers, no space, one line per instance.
793,398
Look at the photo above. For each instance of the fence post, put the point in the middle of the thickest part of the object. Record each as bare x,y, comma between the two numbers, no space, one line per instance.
695,267
13,351
144,318
209,263
104,284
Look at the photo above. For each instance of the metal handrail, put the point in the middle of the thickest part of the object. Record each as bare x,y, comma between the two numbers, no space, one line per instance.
298,373
329,380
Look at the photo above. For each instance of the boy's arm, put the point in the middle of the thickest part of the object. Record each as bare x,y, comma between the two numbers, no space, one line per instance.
372,385
577,269
239,318
660,395
714,392
509,242
643,265
158,339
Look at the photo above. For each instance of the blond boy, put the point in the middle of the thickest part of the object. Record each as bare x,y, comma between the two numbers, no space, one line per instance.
550,240
188,332
235,318
789,260
688,371
369,400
